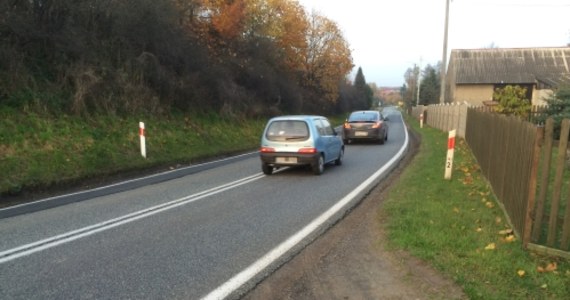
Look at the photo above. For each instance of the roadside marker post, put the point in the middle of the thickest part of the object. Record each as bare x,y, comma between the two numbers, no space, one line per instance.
421,120
450,150
142,138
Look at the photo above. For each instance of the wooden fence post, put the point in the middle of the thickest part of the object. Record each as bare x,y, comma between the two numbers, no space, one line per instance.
532,187
545,178
560,165
565,241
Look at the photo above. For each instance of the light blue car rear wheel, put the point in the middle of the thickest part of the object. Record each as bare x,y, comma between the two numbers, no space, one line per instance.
267,169
338,161
319,166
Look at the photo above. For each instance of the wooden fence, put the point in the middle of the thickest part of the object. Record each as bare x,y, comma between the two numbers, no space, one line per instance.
504,148
510,151
444,116
550,214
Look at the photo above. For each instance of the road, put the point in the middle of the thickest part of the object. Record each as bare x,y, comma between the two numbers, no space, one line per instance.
211,234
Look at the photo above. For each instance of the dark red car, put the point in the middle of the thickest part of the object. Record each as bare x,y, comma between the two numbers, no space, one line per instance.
365,125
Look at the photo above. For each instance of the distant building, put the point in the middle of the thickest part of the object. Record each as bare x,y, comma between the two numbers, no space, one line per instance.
473,75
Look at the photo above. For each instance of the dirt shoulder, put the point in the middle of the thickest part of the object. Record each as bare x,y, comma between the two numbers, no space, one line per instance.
350,261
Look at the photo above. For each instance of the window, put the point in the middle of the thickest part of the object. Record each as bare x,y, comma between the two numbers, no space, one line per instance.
287,130
327,127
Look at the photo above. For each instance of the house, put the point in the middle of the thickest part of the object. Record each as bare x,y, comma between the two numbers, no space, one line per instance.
474,74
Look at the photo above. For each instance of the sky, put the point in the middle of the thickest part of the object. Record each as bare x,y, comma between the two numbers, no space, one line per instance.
387,37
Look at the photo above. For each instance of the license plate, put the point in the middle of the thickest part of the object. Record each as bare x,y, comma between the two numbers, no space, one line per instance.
286,160
360,133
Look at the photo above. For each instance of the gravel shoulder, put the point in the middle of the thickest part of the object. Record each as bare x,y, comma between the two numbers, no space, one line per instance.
350,261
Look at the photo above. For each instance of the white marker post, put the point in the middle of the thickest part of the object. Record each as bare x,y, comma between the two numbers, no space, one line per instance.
143,142
450,149
421,120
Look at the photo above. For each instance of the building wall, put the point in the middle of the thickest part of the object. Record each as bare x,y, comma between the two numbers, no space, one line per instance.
476,94
473,94
538,96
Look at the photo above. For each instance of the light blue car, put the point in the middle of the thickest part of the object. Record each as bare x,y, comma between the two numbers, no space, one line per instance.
300,140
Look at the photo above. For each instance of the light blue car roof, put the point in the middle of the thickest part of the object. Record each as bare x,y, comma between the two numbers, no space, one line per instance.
296,117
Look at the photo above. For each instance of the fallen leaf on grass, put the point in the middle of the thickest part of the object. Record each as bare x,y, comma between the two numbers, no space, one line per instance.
489,204
506,232
551,267
468,180
509,238
498,220
456,210
521,273
491,246
479,229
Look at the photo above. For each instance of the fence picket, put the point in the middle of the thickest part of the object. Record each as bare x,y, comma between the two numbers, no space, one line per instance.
544,179
560,164
565,241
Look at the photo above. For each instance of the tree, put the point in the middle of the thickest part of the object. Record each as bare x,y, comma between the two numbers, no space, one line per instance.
409,91
430,86
365,93
512,101
328,59
558,108
284,22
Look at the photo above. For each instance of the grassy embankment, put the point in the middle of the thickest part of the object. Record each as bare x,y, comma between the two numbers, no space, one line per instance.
458,227
42,151
39,151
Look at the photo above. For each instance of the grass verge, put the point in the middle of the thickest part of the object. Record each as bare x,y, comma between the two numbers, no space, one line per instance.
39,151
458,227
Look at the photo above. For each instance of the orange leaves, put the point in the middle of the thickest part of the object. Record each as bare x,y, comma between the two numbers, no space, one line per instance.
549,268
467,180
229,21
328,58
508,235
467,171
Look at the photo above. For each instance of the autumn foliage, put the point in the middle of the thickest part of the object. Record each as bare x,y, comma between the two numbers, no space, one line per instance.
236,57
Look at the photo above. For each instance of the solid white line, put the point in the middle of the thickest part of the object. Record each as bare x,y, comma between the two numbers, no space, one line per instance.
122,182
244,276
41,245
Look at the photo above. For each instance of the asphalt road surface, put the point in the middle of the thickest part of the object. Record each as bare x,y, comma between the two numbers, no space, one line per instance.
205,232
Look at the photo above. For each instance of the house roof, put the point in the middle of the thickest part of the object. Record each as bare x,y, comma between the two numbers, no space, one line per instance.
550,66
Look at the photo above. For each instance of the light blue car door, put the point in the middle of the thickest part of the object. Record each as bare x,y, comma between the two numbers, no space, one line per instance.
332,145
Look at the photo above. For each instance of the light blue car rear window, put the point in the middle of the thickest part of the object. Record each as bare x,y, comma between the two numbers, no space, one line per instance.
287,130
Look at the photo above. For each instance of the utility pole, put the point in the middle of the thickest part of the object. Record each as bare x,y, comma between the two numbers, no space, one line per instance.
444,58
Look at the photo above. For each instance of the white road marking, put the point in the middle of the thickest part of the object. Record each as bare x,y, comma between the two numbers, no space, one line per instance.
54,241
122,182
